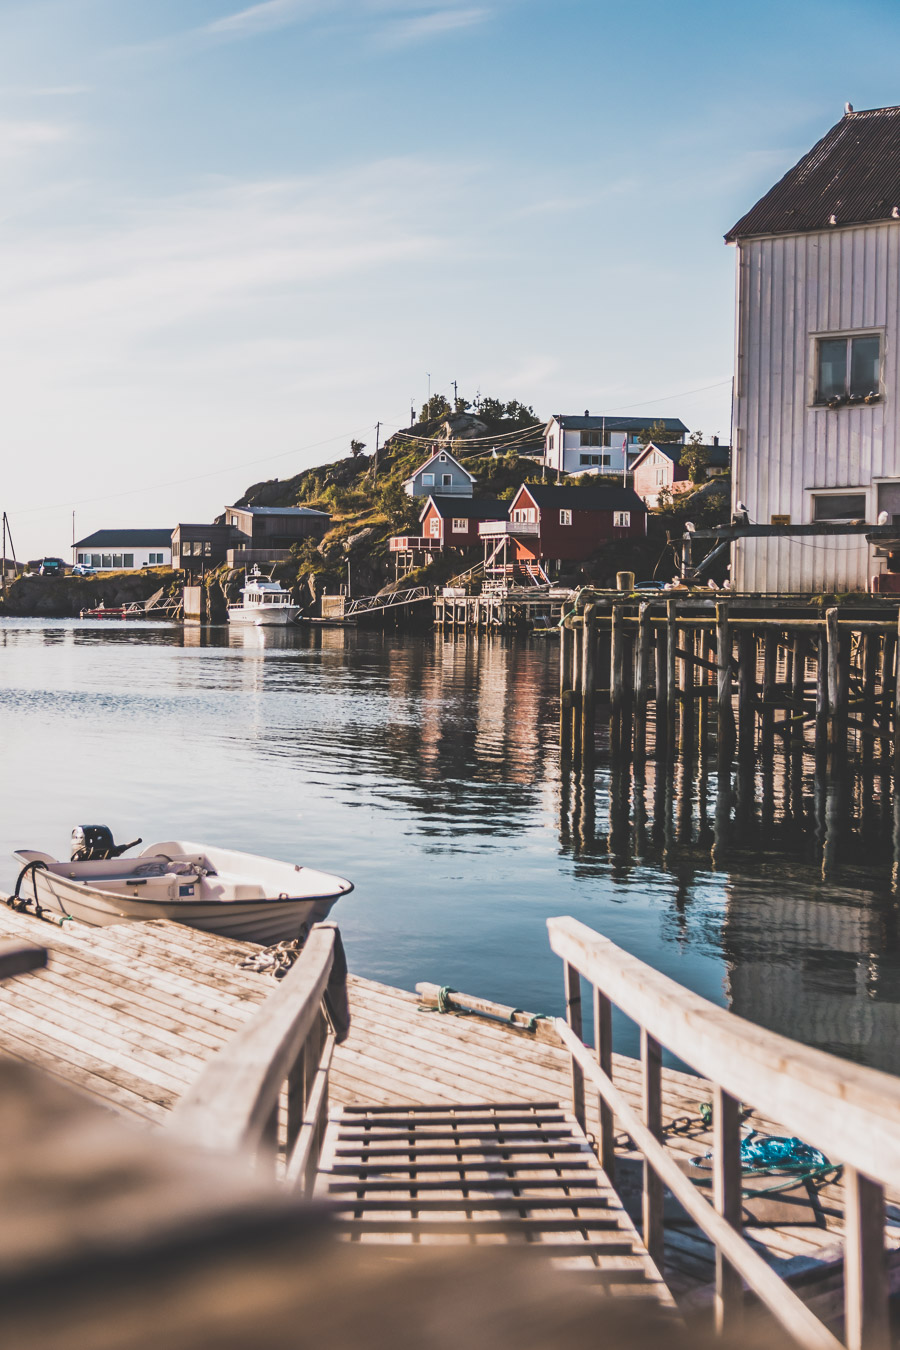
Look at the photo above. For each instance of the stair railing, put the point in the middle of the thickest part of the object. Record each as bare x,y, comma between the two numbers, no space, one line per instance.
849,1112
266,1091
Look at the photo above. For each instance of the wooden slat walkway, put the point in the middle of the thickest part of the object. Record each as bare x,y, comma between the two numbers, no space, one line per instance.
484,1173
130,1014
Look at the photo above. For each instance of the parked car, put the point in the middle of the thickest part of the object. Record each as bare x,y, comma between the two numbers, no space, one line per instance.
52,567
84,570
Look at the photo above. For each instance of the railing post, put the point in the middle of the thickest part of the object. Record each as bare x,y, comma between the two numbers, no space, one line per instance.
727,1200
573,1017
653,1197
603,1053
865,1265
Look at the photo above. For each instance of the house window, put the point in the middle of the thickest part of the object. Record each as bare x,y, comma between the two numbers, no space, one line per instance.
96,560
446,480
82,557
434,528
207,549
600,461
660,477
551,442
129,560
840,506
848,367
530,515
591,438
443,459
621,519
428,480
524,515
565,517
460,525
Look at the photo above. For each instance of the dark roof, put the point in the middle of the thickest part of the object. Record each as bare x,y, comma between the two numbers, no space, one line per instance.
617,423
279,511
473,508
585,498
719,455
853,174
127,539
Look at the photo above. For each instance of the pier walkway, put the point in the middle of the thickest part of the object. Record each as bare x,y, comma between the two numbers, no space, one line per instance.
133,1014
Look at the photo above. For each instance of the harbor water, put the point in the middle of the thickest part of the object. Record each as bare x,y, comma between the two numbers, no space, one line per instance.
426,768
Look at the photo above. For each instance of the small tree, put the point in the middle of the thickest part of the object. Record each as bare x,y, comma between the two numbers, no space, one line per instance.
437,406
695,458
357,447
461,405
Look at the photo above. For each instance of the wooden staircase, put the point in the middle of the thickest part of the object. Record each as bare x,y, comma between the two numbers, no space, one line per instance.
507,1173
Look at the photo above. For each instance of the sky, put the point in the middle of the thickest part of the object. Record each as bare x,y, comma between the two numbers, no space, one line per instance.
233,238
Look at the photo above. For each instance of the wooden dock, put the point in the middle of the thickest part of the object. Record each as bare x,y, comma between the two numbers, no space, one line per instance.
134,1013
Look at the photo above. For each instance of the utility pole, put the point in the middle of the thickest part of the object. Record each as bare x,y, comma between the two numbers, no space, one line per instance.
412,413
454,396
377,439
3,584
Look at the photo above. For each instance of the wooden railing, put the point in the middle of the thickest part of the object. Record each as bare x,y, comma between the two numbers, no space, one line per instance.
266,1091
849,1112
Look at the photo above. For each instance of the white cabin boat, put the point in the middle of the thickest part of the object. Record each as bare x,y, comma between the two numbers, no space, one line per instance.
219,890
264,603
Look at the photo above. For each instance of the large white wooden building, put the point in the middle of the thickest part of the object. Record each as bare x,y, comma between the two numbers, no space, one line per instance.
817,364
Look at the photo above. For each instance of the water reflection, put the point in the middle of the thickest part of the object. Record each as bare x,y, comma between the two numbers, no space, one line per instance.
428,769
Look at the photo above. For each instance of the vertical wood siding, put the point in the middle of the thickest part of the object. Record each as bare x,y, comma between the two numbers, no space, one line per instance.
791,288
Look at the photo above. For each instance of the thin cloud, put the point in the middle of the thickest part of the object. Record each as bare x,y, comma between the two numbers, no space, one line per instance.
424,27
18,138
263,18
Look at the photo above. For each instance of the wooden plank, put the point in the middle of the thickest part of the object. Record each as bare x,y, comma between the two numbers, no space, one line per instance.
652,1199
865,1268
230,1103
427,1204
727,1181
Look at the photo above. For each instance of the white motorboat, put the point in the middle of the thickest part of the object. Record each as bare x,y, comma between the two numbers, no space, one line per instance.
219,890
264,603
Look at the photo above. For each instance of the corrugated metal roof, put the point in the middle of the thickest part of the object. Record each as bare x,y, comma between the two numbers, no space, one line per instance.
617,423
852,174
585,498
127,539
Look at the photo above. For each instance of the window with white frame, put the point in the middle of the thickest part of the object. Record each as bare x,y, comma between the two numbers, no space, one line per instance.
551,442
434,527
446,480
565,517
600,461
660,477
848,369
443,459
621,519
460,525
428,480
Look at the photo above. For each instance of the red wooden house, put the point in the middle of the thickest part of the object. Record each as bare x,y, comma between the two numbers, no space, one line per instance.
562,524
445,522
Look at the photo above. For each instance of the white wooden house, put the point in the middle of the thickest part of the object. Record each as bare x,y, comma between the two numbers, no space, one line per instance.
599,444
441,474
817,364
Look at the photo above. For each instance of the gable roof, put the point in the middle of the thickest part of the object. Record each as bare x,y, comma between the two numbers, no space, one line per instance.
852,173
472,508
603,498
279,511
436,456
719,455
126,539
616,423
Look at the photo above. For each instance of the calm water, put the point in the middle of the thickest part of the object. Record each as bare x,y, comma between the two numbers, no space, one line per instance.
426,769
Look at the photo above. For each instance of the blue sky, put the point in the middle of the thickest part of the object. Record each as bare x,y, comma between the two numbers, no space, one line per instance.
234,237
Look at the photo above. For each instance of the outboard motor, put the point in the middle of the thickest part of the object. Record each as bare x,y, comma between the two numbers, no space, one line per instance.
91,843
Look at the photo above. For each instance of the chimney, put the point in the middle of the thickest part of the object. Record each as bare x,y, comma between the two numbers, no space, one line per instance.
715,440
586,413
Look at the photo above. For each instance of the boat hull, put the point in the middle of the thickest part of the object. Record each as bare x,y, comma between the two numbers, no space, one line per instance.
259,906
274,616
